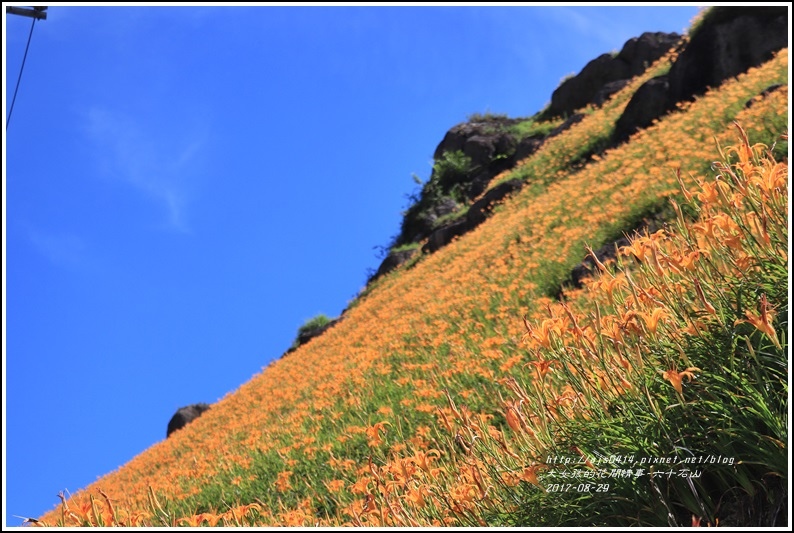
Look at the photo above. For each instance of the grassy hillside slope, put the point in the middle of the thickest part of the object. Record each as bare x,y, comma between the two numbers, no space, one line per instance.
453,390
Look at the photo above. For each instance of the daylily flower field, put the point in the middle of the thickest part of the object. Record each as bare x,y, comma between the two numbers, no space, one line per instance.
476,388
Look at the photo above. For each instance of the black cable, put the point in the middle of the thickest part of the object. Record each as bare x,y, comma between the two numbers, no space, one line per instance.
19,78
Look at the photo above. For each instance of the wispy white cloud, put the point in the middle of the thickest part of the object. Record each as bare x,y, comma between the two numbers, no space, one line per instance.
605,25
157,161
63,249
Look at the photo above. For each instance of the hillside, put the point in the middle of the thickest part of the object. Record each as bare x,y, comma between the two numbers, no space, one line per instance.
480,381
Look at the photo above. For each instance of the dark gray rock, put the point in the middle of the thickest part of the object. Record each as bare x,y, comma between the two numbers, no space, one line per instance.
305,334
479,182
480,209
649,103
444,235
184,416
763,94
490,147
578,91
605,92
445,206
527,146
639,52
419,223
584,88
394,260
587,267
729,41
608,251
494,129
308,334
476,215
480,148
570,121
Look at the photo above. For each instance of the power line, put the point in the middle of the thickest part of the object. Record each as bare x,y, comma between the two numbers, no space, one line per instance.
36,14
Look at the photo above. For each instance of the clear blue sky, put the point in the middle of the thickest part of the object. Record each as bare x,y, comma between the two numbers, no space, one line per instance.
184,187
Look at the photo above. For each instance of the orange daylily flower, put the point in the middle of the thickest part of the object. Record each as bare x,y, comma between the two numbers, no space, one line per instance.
772,178
542,335
530,474
374,433
763,320
676,378
417,495
542,367
423,459
711,191
652,319
513,417
282,482
609,284
197,520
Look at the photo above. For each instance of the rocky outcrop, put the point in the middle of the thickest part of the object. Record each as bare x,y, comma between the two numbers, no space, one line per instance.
480,209
527,146
476,215
576,118
763,94
606,74
605,92
394,260
650,101
490,147
730,40
444,235
479,139
467,159
307,333
607,252
184,416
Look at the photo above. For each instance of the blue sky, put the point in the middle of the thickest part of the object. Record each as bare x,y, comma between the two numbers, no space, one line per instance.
185,186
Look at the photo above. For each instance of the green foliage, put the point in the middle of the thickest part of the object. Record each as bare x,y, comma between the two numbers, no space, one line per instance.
533,128
314,323
406,247
486,117
451,165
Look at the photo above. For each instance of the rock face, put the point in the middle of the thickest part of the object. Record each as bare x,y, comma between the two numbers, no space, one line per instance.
729,41
480,139
650,101
763,94
605,92
305,334
598,79
184,416
468,157
607,252
308,334
394,260
475,216
480,209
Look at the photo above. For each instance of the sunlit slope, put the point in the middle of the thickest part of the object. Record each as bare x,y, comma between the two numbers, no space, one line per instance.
298,438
